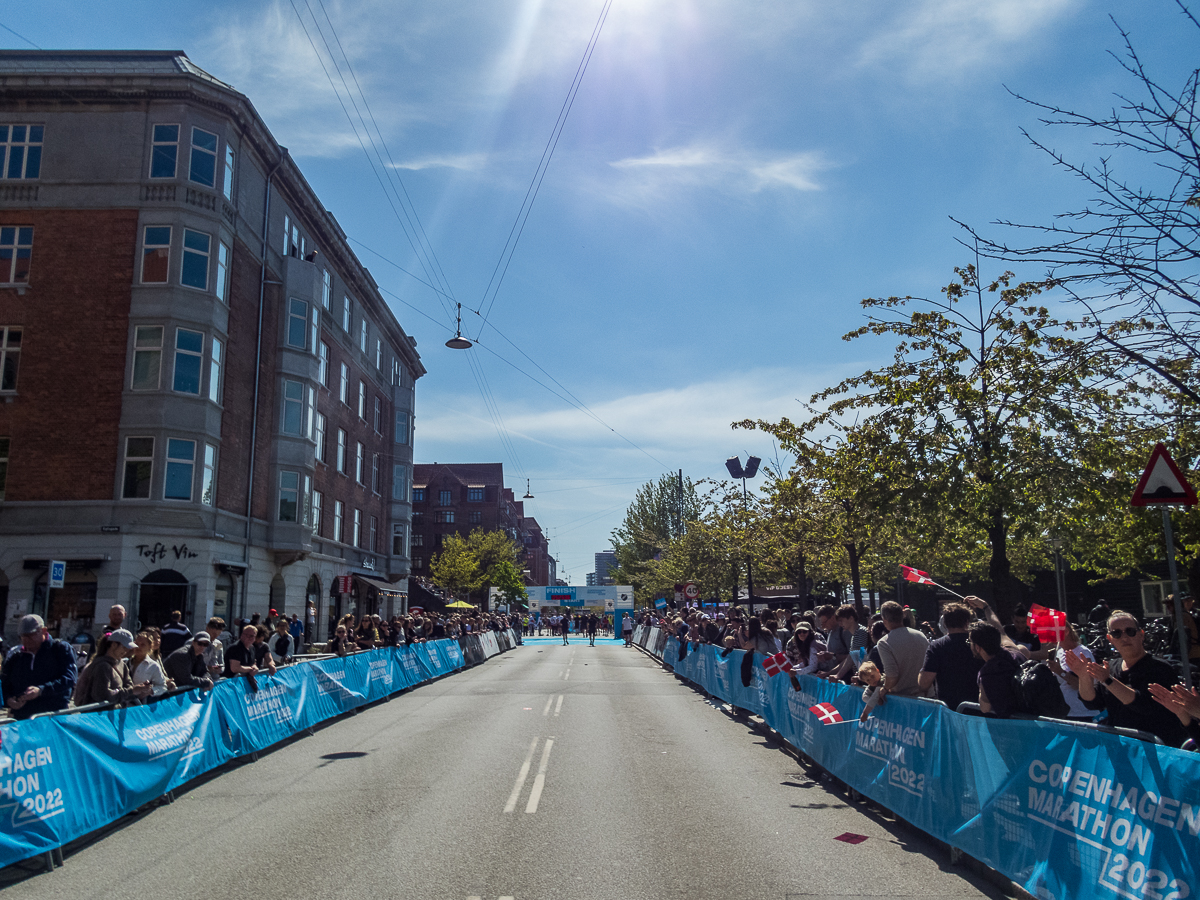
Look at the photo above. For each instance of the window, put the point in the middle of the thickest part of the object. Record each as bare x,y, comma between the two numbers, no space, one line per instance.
358,528
418,540
362,335
314,328
344,390
289,495
310,418
337,520
214,371
147,357
156,254
323,372
475,494
375,473
401,436
362,400
320,437
164,151
359,453
398,548
4,443
228,184
444,498
222,286
400,483
475,517
304,515
293,407
16,248
139,467
316,512
21,150
10,357
181,465
196,245
297,332
326,289
418,562
189,347
444,515
341,457
208,487
418,518
378,355
378,416
346,314
204,158
418,493
287,234
373,536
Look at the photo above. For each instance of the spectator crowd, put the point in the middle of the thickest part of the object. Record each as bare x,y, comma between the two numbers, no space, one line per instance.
44,674
968,660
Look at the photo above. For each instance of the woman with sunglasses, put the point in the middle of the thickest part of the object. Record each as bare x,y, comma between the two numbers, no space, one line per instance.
1123,689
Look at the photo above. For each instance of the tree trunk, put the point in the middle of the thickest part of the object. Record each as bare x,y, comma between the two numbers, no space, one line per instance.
855,577
1000,569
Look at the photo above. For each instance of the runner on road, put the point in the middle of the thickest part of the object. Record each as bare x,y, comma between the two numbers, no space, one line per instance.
627,629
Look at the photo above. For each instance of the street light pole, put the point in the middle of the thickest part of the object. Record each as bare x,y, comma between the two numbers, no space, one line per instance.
734,465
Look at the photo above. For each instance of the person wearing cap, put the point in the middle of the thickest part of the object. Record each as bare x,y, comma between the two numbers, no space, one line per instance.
107,679
41,675
187,666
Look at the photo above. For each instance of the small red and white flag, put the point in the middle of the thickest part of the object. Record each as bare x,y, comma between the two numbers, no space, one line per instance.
1050,625
776,664
911,574
827,713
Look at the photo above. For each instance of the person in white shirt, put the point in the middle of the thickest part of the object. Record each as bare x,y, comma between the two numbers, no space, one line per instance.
1067,681
145,667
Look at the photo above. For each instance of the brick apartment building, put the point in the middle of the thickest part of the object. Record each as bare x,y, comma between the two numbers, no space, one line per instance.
461,498
205,403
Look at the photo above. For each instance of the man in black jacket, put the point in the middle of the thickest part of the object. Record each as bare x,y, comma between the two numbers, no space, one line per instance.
39,677
186,666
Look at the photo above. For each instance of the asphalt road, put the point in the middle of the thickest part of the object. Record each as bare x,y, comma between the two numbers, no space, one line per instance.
548,773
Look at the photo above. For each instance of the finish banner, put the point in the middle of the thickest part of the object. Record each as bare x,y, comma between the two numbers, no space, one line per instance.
1062,810
63,776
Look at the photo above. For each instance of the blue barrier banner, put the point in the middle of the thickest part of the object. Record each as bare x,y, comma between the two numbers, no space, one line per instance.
66,775
1062,810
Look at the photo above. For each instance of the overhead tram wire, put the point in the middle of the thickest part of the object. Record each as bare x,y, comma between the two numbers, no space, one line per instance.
566,396
392,164
384,185
535,184
425,254
493,409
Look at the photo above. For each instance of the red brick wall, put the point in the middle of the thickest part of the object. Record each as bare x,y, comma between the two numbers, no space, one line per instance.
75,313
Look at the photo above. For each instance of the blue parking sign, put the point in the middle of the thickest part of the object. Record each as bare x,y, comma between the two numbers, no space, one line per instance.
58,571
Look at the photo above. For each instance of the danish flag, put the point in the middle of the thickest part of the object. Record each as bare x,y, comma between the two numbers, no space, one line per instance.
827,713
1050,625
916,575
776,664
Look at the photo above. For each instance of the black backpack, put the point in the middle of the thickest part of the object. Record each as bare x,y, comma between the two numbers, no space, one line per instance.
1039,691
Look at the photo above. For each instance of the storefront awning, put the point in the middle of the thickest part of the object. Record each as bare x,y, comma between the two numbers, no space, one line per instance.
384,587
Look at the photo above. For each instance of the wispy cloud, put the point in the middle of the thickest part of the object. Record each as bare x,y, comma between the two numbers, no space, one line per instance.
930,39
467,162
709,166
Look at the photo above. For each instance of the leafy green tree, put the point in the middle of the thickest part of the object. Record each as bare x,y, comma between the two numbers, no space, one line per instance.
494,552
659,513
979,418
456,567
506,579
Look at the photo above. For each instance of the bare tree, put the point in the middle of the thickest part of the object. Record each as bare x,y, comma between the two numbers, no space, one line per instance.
1131,256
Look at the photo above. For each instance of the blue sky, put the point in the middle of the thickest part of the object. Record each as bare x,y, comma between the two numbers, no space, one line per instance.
733,178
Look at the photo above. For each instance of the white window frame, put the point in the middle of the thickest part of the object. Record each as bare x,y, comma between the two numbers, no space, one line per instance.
137,460
358,527
344,391
230,160
155,142
10,353
293,407
362,335
203,151
297,324
316,512
360,454
222,286
151,349
323,371
347,316
214,370
198,355
319,437
375,473
287,488
208,483
362,400
189,252
339,521
341,450
157,248
400,485
180,462
326,289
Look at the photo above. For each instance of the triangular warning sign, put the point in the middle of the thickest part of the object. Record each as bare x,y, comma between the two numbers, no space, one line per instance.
1163,483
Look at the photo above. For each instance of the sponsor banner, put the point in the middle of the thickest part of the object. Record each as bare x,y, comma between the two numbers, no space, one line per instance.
1062,810
489,644
64,776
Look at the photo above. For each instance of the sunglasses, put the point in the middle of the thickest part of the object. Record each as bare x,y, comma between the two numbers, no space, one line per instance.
1128,632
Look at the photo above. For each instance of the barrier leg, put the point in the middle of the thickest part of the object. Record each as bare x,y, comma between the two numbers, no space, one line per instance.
58,856
48,859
